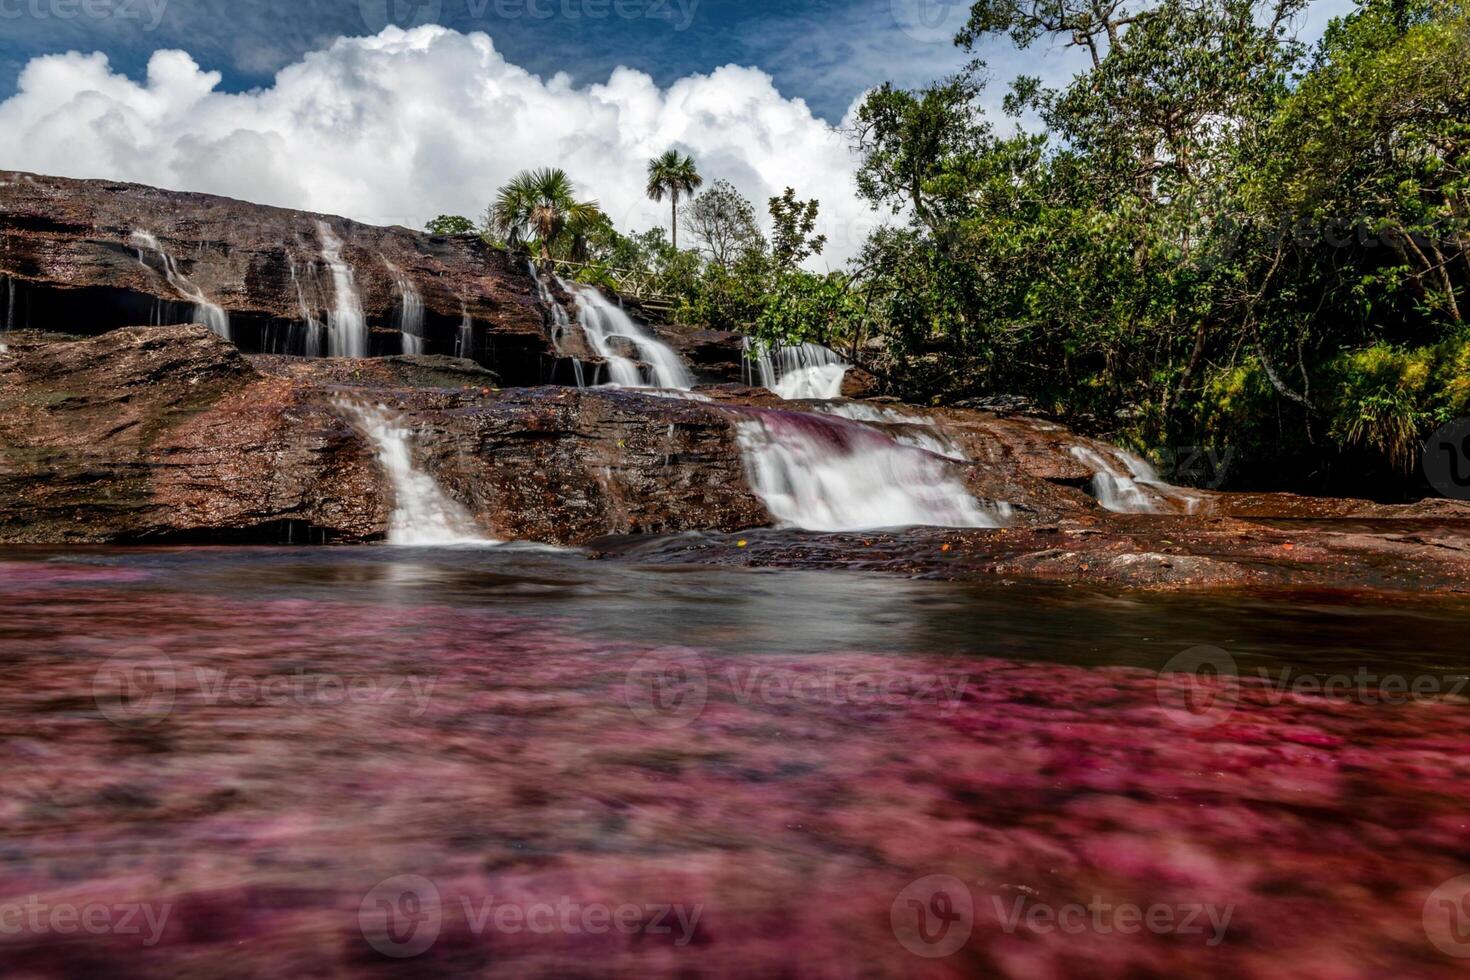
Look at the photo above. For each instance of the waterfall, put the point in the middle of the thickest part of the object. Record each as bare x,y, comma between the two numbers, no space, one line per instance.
422,513
802,371
347,329
561,323
464,343
410,311
9,311
314,327
906,430
602,322
1140,490
827,474
210,314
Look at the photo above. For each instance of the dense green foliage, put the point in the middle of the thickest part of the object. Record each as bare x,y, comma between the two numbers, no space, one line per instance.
540,208
1213,238
1216,241
450,224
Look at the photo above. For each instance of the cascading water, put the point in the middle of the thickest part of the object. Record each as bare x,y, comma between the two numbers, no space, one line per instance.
828,474
315,330
1140,490
464,341
347,329
906,430
602,322
422,513
560,322
801,371
410,311
210,314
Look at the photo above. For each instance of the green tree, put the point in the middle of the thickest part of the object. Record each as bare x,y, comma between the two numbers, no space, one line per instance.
541,206
673,174
450,224
723,223
793,221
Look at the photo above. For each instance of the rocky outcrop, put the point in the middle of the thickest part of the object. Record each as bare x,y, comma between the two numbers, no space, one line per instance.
169,433
86,256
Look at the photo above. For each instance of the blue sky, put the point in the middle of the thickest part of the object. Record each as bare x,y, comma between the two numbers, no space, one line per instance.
824,51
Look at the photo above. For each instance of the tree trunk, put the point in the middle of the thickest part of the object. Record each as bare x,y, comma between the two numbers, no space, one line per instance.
674,220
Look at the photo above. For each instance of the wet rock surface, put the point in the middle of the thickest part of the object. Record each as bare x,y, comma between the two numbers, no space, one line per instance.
71,262
170,434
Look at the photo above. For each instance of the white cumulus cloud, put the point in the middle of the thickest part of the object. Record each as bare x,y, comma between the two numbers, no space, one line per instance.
397,128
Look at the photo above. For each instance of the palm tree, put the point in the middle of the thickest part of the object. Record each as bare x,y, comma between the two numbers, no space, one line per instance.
540,205
673,174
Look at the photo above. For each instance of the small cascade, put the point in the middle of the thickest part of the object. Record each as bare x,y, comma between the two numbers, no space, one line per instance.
423,514
802,371
210,314
1139,490
410,311
560,322
828,474
347,329
603,322
7,324
464,341
315,329
917,431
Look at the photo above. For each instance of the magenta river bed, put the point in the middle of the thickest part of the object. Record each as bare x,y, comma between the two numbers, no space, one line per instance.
520,762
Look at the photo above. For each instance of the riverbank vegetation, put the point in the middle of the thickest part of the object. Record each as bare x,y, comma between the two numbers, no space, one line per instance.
1211,236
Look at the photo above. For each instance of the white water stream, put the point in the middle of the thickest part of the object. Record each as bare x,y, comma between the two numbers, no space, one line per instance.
423,514
800,371
826,474
1129,485
347,329
210,314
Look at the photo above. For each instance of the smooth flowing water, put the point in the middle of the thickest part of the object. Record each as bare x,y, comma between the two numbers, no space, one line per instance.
423,514
831,474
347,328
605,324
212,315
797,371
335,761
1127,484
410,311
